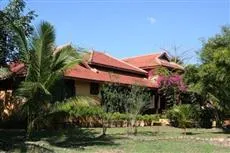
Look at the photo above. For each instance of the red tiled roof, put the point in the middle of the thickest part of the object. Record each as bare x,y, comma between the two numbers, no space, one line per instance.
151,60
85,72
105,60
81,72
143,61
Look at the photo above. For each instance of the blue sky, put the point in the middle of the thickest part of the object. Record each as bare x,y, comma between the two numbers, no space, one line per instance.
125,28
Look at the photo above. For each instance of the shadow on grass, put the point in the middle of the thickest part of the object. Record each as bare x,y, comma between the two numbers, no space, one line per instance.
191,133
31,148
162,133
69,138
221,132
147,133
150,133
10,138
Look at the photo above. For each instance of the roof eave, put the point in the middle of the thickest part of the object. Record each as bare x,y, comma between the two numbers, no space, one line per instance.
100,81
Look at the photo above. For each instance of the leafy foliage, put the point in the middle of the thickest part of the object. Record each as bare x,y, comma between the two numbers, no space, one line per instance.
138,99
130,100
13,14
192,78
114,98
45,65
82,110
211,79
78,101
85,112
4,73
184,115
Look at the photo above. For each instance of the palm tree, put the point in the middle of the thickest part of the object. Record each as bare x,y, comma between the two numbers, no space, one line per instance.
45,65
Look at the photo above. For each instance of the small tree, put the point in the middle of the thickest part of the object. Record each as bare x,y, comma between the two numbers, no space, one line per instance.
184,116
137,100
131,99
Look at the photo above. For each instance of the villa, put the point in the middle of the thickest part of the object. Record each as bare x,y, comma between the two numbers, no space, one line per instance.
97,68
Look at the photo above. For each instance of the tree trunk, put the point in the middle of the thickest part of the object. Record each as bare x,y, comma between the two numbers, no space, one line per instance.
104,128
184,131
135,130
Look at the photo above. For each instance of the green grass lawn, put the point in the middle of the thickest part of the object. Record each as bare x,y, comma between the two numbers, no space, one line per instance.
148,140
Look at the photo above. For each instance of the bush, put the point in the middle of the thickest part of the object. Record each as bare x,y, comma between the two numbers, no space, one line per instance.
206,117
77,111
80,111
140,118
116,116
183,116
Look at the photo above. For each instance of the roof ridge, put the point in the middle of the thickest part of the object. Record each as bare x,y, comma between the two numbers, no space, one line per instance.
126,63
142,55
119,60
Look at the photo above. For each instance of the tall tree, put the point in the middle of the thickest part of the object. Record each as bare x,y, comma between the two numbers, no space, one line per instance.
13,13
211,78
215,57
45,65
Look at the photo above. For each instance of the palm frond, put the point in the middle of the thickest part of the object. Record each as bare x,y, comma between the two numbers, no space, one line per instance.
45,67
33,72
66,57
215,102
33,91
78,101
42,45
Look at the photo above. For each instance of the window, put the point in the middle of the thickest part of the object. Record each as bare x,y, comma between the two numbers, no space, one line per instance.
94,88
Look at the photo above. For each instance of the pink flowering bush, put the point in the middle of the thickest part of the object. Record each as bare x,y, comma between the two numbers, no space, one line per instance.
171,86
172,80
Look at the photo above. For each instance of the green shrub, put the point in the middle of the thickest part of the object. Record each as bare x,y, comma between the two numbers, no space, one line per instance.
140,117
183,116
82,111
156,117
206,118
116,116
124,117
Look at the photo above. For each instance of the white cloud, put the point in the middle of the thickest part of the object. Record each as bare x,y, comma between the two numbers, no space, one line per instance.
152,20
